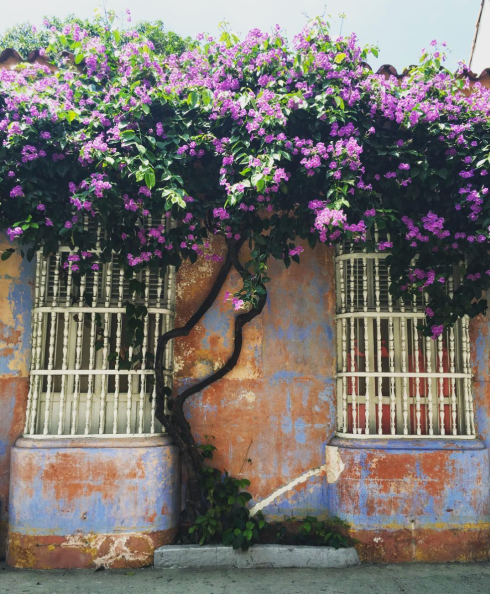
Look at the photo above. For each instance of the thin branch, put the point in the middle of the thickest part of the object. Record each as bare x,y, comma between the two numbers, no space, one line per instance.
186,329
240,321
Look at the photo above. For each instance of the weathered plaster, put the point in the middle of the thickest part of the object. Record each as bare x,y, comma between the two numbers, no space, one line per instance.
16,284
97,505
272,420
272,416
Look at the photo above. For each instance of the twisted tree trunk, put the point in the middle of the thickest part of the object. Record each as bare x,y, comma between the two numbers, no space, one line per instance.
175,423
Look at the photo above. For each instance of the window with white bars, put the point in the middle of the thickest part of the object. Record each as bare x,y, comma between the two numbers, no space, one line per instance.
75,387
392,380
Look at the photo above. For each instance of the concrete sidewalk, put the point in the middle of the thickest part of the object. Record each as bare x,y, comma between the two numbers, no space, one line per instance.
367,579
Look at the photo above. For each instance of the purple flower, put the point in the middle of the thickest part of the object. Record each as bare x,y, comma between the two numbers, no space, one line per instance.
428,312
404,166
17,192
13,233
145,191
436,331
296,251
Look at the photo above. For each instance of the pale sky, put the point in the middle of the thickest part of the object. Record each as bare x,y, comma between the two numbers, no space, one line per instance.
401,28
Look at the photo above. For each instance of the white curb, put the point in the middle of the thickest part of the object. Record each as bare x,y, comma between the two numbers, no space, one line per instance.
280,556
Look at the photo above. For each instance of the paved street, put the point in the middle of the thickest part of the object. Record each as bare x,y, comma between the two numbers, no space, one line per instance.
367,579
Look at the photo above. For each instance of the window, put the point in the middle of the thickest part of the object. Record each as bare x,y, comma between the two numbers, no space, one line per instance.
74,388
392,380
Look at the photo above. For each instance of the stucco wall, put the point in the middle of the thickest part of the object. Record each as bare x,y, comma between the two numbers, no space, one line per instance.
16,292
92,502
272,416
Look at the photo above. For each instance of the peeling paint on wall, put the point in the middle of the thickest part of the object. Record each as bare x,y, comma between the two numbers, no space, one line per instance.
16,287
272,416
334,465
272,420
92,506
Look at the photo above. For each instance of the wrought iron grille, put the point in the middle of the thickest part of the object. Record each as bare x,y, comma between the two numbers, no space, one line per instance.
392,380
76,388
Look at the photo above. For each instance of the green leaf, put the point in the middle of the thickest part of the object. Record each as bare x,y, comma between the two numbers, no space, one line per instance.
128,134
340,102
193,99
340,58
150,179
256,178
206,96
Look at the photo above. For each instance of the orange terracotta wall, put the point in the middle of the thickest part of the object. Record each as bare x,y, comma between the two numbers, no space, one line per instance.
272,416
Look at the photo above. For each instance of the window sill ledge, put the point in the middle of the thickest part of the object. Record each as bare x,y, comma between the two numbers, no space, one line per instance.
409,442
92,441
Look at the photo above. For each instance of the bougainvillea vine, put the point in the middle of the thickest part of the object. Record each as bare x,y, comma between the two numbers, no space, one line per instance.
260,141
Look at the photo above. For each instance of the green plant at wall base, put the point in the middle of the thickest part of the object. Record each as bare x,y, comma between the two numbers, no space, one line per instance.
309,531
227,519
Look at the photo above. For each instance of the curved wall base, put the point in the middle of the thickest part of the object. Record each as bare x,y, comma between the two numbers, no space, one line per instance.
413,500
91,502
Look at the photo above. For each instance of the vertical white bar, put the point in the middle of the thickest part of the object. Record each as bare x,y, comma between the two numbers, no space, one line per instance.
440,352
157,335
467,395
38,326
403,333
391,352
343,322
452,368
367,407
105,347
78,358
91,362
352,337
64,362
144,350
52,343
118,349
34,344
129,397
418,414
379,346
416,366
468,398
428,363
169,319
